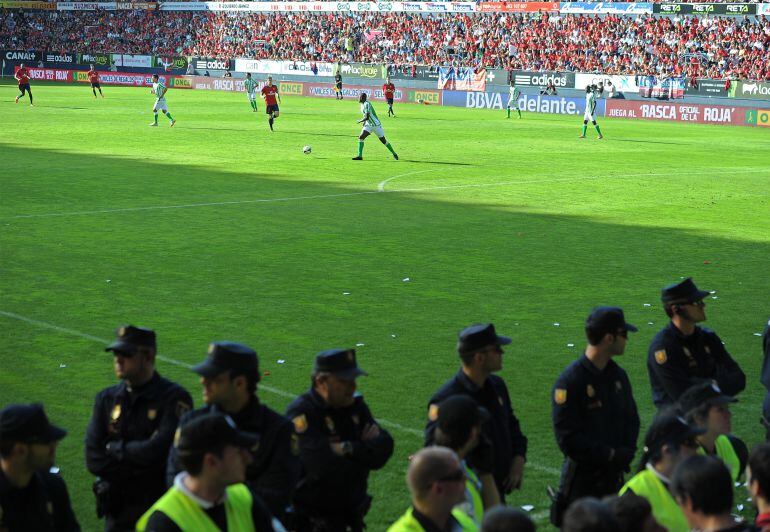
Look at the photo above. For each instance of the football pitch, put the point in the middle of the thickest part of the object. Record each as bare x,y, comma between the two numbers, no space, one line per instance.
218,229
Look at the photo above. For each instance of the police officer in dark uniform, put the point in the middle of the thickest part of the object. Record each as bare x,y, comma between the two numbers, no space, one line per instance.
229,376
131,430
481,355
684,354
765,379
594,414
33,497
340,443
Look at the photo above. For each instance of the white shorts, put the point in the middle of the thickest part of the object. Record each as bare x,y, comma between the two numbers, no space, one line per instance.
252,96
377,130
512,102
160,105
588,116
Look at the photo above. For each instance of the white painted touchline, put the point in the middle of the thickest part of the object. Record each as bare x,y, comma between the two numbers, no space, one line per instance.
276,391
381,185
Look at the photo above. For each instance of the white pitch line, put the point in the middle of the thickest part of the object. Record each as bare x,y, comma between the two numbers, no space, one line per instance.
367,192
271,389
381,185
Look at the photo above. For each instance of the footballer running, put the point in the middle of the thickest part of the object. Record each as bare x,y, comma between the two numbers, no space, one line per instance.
251,91
371,124
272,99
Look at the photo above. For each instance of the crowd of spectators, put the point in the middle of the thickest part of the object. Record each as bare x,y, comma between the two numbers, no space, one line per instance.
711,47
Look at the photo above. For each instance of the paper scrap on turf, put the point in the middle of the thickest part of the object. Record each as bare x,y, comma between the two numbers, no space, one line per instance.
570,345
406,279
281,361
345,293
527,507
359,345
555,324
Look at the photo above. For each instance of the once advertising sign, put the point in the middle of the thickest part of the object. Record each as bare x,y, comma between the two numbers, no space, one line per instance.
563,80
677,112
758,117
424,96
707,87
518,7
22,56
754,90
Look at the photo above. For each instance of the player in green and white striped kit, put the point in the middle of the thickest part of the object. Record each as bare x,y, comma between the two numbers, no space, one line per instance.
371,124
251,90
592,93
513,99
159,90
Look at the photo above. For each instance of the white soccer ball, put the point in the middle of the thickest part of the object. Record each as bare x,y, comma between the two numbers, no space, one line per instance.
306,150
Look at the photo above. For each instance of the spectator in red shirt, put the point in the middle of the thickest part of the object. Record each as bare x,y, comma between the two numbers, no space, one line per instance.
758,480
22,76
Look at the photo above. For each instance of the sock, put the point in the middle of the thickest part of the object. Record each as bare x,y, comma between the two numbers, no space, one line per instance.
156,118
254,105
360,148
270,121
584,129
20,95
518,111
509,111
598,130
95,92
390,147
170,118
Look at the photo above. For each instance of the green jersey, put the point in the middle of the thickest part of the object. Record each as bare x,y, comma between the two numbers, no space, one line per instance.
250,85
159,89
368,109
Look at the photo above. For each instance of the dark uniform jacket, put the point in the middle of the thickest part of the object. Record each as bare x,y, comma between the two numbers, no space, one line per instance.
675,362
42,506
596,425
274,471
502,429
332,484
139,426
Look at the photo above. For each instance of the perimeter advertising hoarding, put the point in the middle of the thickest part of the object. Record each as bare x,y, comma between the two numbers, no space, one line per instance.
678,112
328,7
27,5
120,78
48,74
422,73
615,8
518,7
210,63
705,9
326,90
170,63
135,61
758,117
527,102
294,68
755,90
621,83
561,80
707,87
22,56
361,70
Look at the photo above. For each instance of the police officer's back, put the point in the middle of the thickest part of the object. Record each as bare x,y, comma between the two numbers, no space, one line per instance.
595,418
33,497
339,442
683,354
131,430
229,376
480,352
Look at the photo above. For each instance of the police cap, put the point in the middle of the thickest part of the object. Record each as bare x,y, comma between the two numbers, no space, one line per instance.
604,320
228,356
211,432
682,292
479,336
28,424
129,339
340,362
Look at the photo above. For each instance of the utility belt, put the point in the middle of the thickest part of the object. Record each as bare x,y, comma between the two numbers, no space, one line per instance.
314,520
112,498
578,482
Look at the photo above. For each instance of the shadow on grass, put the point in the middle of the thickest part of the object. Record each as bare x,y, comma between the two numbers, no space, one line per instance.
274,271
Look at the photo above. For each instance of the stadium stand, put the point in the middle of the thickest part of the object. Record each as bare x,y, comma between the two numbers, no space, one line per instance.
680,46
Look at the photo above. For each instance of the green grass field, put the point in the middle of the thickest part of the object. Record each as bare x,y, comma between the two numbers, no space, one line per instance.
218,229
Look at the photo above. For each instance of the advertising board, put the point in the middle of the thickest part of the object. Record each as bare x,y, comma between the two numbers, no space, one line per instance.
677,112
527,102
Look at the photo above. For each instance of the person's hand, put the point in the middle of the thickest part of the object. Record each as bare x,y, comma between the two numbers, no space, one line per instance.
370,432
516,475
337,448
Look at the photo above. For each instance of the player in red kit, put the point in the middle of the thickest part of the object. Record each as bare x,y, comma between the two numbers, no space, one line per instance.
22,76
390,90
272,98
93,77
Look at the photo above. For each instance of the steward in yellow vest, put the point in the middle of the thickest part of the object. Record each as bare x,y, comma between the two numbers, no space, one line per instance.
209,496
436,480
705,406
668,442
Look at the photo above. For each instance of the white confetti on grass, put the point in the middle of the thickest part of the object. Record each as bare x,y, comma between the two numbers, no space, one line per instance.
360,344
527,507
406,279
281,361
555,324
